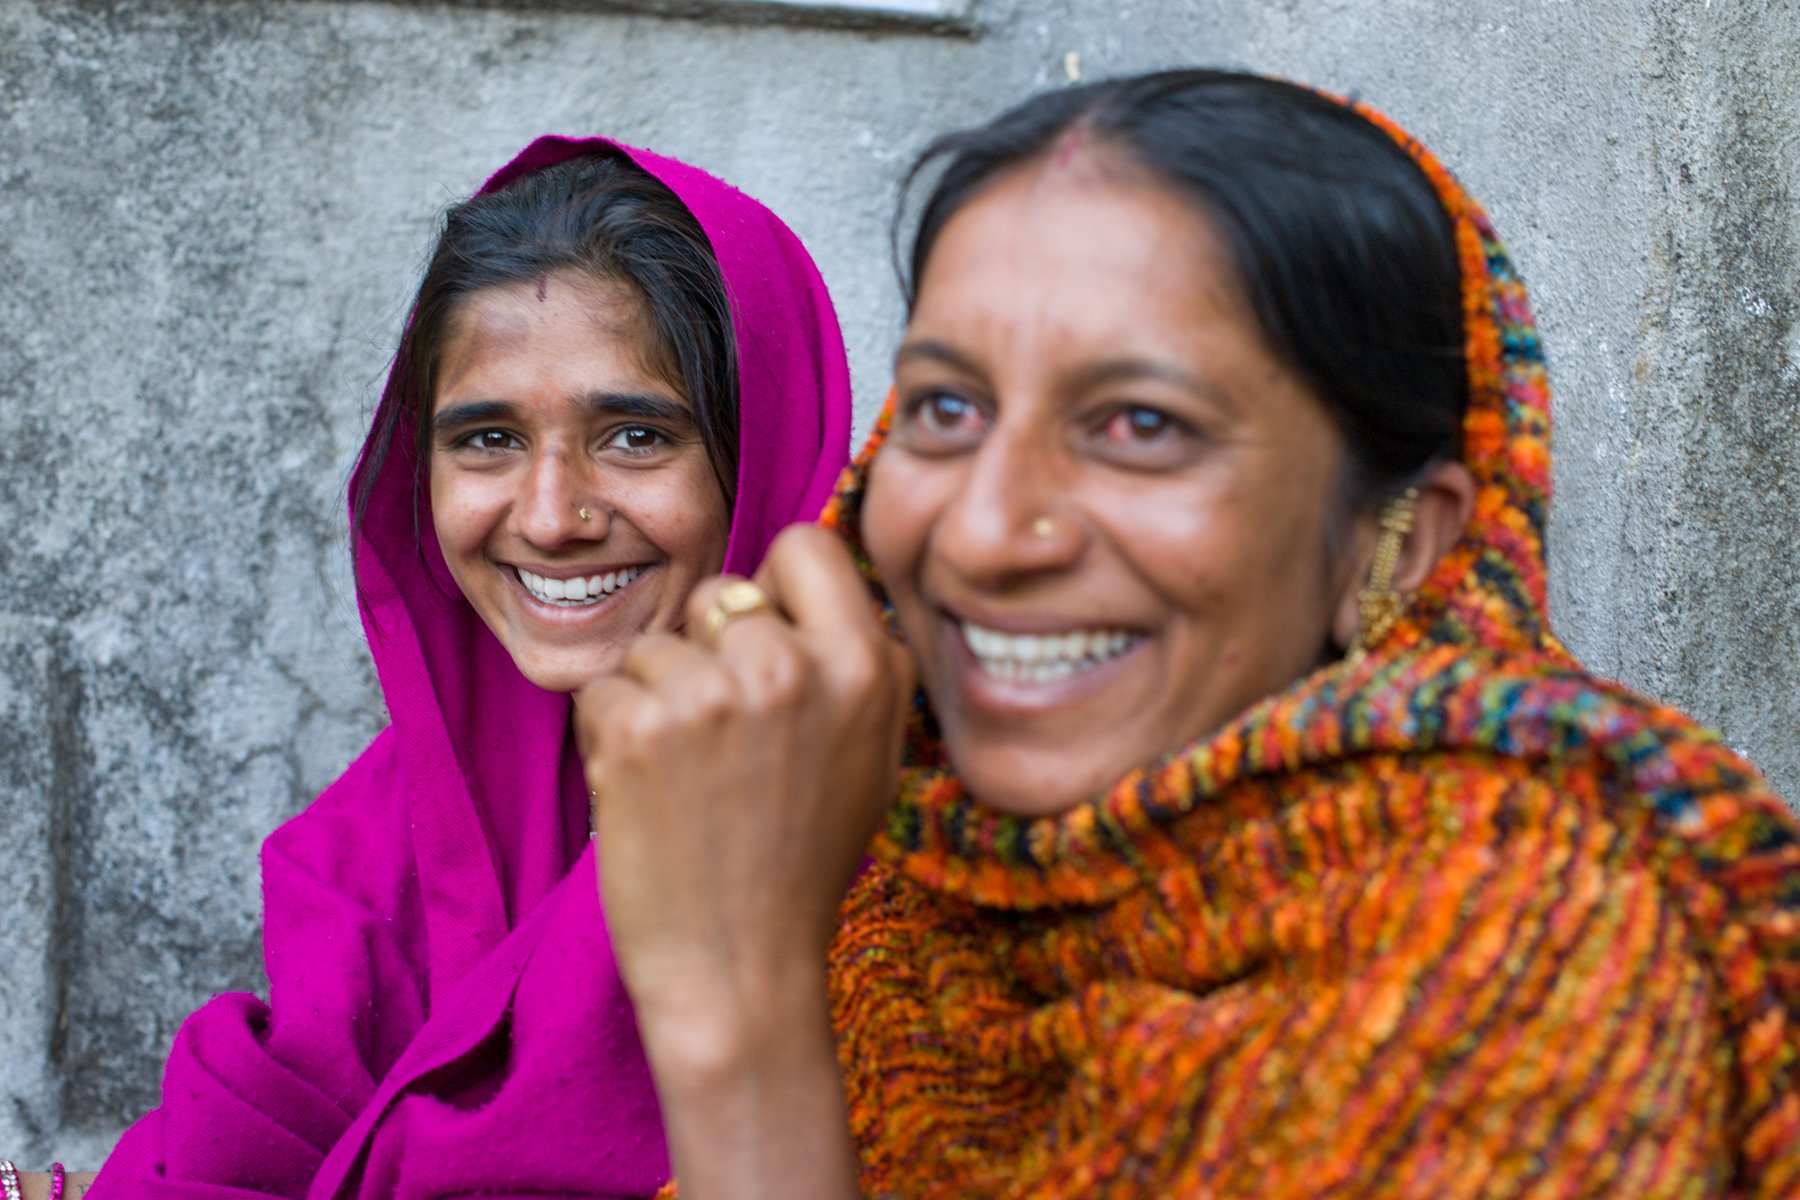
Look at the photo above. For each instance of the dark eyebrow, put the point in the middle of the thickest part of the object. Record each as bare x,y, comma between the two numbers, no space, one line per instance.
1127,370
936,351
470,412
645,406
1119,370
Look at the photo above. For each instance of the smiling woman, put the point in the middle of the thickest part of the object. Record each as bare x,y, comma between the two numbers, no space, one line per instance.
1253,835
571,491
619,375
1102,493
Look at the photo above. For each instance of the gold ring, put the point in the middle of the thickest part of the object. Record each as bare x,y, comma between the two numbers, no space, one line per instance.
736,599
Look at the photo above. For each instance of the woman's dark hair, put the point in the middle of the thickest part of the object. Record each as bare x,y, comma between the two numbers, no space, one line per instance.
608,218
1342,248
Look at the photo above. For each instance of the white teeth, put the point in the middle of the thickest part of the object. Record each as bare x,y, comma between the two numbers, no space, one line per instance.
577,592
1035,658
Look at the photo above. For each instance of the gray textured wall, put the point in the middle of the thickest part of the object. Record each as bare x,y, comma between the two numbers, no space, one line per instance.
211,214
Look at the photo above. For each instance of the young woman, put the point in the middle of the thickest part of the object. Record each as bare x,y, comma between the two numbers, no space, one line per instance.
620,375
1256,837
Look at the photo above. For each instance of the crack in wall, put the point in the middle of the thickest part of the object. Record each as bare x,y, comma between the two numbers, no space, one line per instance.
65,838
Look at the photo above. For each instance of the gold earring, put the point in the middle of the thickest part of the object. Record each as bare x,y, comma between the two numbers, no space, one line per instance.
1379,605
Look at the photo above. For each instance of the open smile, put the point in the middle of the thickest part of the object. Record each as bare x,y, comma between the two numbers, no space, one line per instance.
1043,658
581,591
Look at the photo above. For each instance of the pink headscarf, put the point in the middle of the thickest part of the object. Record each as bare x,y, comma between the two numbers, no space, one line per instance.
445,1015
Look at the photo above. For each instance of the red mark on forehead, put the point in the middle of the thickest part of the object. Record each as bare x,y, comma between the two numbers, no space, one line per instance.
1071,142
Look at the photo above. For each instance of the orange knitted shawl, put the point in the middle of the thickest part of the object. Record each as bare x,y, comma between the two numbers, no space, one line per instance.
1460,920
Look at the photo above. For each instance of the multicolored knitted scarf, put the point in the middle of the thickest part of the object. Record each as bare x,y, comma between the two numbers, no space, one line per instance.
1459,920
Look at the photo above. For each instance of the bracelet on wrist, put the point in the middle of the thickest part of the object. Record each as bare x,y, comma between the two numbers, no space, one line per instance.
12,1189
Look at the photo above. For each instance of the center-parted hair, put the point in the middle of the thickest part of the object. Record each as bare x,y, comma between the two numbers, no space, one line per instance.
605,217
1344,255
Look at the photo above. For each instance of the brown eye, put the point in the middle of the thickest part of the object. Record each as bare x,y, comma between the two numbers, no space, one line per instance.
637,439
488,440
942,418
939,422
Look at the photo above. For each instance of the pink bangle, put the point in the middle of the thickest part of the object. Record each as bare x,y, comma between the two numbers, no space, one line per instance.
56,1181
9,1180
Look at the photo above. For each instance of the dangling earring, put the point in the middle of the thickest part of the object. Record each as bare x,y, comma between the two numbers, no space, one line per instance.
1379,605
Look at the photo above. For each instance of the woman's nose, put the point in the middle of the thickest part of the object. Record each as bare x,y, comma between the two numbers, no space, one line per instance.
556,504
1011,516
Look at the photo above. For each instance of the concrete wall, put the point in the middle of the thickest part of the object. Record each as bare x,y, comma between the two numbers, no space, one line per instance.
211,215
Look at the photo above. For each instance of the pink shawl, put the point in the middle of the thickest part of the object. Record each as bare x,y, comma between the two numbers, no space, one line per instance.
445,1016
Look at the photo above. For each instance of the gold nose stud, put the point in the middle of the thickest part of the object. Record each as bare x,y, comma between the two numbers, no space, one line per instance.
583,513
1043,527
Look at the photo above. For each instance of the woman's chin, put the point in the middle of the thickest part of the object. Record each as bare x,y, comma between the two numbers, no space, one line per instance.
563,671
1028,784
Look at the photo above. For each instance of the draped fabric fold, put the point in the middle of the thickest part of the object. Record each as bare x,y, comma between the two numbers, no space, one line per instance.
445,1016
1459,920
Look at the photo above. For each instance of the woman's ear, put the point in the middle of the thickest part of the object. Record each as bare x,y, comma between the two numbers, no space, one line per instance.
1446,500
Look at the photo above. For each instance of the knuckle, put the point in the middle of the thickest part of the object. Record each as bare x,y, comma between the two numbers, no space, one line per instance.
706,699
644,724
788,539
799,544
861,668
778,675
701,599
